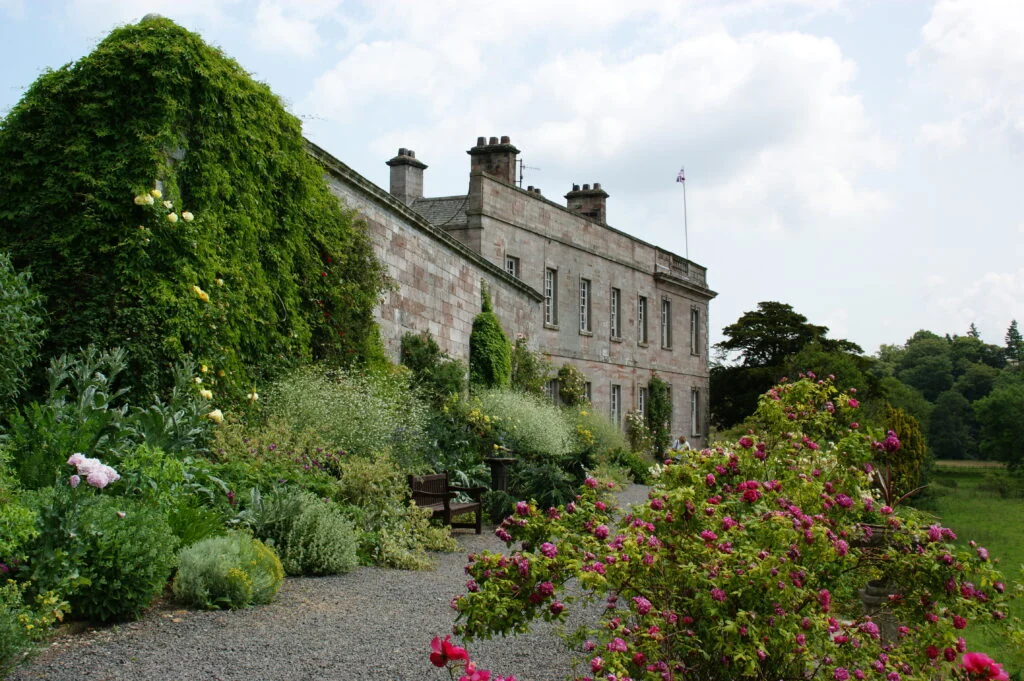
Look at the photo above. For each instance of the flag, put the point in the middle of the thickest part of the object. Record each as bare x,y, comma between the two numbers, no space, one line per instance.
680,177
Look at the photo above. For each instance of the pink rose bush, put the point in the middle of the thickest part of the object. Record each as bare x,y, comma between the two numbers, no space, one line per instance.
747,562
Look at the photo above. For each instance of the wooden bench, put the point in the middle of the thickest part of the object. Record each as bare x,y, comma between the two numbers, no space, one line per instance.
434,492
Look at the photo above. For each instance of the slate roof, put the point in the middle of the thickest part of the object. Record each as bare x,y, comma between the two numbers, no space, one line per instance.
444,211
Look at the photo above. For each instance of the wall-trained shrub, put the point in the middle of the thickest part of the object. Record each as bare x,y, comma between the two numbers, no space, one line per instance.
252,263
232,571
490,353
311,536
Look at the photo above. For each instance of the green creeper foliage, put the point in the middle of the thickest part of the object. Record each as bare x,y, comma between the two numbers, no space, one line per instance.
659,413
490,353
270,271
437,374
530,370
21,328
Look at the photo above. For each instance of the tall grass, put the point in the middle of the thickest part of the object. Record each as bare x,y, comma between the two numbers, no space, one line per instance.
975,505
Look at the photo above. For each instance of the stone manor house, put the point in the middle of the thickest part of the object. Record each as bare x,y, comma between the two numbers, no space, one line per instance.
579,290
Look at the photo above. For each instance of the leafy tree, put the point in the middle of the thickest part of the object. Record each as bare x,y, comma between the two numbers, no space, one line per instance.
900,395
976,381
490,353
965,351
951,432
272,272
972,332
765,340
1014,342
659,413
1001,419
773,332
927,364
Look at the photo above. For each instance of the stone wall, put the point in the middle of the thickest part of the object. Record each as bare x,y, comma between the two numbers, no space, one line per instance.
545,235
437,279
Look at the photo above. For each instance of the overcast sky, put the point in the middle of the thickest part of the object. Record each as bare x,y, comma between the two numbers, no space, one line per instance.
861,160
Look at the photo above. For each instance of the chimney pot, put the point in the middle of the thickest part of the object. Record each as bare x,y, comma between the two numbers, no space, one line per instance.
481,141
494,140
401,151
529,188
537,190
505,139
586,187
575,187
412,154
597,185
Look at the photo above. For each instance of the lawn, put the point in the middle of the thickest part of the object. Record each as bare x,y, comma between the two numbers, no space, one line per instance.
984,504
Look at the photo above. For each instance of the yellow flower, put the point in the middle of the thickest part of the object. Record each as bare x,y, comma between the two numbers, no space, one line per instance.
140,200
172,217
155,193
168,204
148,200
197,380
217,416
206,394
203,368
220,282
221,373
204,296
187,216
253,396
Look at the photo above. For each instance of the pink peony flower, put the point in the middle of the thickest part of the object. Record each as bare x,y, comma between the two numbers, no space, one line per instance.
74,481
981,666
548,550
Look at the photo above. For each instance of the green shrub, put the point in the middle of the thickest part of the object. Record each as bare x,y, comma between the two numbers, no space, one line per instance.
637,464
21,329
572,385
21,624
437,374
232,571
530,370
191,523
659,413
288,273
127,558
17,520
527,425
362,414
310,535
490,354
637,431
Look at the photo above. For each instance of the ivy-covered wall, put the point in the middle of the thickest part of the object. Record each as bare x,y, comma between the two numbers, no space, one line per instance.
270,272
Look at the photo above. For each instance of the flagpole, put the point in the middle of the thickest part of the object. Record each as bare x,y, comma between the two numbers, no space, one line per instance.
686,230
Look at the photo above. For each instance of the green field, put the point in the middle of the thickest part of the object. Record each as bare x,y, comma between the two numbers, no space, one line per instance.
983,503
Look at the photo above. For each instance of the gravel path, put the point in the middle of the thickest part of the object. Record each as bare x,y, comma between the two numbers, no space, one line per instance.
369,624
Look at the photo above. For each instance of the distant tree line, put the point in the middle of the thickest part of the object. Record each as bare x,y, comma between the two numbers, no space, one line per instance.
967,395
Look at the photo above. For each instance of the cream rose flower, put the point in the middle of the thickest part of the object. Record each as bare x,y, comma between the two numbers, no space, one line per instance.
140,200
156,193
168,204
220,282
254,396
187,216
148,200
206,394
217,416
172,217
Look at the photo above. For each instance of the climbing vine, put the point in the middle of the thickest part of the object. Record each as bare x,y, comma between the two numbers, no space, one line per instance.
288,273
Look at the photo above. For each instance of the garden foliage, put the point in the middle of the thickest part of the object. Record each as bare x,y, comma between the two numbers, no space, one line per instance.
269,271
437,374
747,562
530,370
572,386
232,571
490,354
659,414
22,327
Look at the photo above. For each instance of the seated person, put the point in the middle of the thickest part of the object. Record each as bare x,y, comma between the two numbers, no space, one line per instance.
680,445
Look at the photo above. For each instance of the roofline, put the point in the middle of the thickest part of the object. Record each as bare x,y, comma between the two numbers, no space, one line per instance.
381,197
565,209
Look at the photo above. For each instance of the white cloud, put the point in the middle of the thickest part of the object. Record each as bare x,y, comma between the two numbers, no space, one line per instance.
783,105
972,52
990,302
291,26
102,15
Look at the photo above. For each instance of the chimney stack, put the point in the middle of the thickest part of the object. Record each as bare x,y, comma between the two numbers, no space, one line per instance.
495,157
406,176
589,203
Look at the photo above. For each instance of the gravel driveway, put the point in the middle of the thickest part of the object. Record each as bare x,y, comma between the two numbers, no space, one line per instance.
369,624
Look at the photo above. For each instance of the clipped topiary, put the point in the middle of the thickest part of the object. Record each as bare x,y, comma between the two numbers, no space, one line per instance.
904,468
490,353
251,264
232,571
